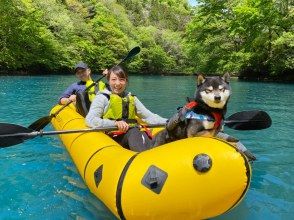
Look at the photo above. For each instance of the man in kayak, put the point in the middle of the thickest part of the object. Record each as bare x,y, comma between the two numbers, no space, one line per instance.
120,108
83,73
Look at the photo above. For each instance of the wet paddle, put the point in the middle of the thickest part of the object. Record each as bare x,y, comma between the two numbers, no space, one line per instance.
11,134
44,121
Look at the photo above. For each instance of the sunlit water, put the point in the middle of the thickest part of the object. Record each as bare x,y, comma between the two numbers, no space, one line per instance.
39,181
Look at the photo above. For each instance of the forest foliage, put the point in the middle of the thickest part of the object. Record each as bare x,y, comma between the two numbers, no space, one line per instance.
247,37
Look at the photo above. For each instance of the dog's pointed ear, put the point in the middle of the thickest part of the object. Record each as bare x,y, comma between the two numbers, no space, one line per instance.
226,77
200,79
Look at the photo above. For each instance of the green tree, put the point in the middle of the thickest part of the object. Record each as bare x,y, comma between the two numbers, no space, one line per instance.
249,36
53,35
25,41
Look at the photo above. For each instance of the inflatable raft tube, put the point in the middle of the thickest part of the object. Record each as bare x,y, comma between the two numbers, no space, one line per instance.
193,178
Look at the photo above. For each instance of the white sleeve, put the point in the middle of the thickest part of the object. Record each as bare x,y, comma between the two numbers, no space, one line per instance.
98,107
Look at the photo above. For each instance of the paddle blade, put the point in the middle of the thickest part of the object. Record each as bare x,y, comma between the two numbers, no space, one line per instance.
8,132
249,120
40,123
133,52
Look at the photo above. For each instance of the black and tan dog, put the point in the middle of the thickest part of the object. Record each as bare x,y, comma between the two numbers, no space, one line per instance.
204,115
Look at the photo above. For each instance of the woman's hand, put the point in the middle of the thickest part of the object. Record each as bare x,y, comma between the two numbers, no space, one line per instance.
122,126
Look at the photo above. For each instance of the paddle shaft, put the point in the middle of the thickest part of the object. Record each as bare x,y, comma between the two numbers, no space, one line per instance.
45,133
11,134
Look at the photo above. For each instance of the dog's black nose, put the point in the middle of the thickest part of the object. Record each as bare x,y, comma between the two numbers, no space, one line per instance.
217,98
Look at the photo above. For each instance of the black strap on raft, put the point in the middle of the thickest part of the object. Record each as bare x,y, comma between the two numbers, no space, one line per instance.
119,188
82,103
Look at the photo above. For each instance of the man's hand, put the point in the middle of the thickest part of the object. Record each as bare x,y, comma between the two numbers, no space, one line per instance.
105,72
72,98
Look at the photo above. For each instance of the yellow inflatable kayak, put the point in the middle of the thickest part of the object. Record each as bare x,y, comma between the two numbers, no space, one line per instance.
193,178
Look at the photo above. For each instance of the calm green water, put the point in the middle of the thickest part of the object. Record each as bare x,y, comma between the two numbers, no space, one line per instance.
39,181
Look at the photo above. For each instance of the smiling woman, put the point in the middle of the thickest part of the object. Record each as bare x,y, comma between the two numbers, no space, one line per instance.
120,108
118,80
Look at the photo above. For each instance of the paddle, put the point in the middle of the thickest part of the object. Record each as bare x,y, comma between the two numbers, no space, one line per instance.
249,120
44,121
11,134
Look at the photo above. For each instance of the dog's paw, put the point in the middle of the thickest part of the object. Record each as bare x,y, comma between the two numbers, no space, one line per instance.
249,155
173,122
241,148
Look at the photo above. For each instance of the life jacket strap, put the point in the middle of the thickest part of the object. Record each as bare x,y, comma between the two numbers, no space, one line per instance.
191,105
218,119
147,131
114,134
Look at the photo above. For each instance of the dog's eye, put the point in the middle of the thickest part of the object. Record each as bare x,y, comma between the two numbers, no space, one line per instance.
208,90
222,89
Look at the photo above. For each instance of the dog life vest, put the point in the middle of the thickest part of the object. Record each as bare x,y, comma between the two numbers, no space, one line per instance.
217,117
